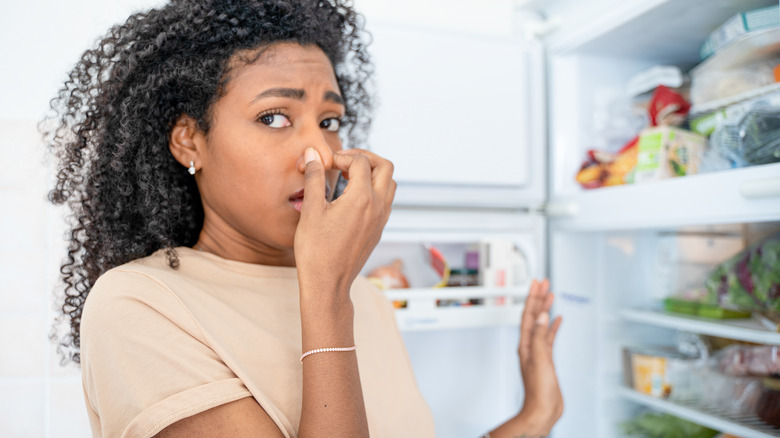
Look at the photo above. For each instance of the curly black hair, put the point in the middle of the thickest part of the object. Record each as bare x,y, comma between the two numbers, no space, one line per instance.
114,114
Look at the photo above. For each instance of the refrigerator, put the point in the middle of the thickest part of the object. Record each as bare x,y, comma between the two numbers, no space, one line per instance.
487,134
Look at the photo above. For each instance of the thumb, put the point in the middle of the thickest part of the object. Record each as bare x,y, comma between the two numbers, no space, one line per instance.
314,184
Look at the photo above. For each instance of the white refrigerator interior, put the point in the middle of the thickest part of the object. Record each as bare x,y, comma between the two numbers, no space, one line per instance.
487,133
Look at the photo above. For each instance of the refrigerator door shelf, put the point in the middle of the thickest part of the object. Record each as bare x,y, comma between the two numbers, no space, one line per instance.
745,427
748,330
498,307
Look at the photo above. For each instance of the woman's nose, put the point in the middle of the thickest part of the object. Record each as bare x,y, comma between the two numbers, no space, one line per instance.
316,139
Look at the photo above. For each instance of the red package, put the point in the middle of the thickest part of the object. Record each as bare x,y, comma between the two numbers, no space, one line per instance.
667,107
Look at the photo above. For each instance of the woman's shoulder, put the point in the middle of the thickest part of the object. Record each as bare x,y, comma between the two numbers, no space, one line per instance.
141,285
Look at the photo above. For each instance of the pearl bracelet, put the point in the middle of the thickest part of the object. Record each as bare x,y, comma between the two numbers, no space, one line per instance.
324,350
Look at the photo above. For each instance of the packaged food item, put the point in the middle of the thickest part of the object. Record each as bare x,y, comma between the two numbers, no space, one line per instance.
647,80
666,152
749,360
659,372
502,264
737,26
667,108
732,395
759,136
439,264
749,280
709,85
768,408
463,278
389,276
735,374
688,307
657,425
602,169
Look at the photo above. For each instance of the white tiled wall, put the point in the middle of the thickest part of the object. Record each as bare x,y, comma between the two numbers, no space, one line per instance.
38,396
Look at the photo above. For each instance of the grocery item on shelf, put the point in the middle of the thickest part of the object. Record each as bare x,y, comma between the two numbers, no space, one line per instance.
667,108
603,169
666,152
439,264
648,80
735,377
743,134
690,307
733,395
749,280
651,424
739,25
660,372
768,406
502,264
463,277
709,85
389,276
749,360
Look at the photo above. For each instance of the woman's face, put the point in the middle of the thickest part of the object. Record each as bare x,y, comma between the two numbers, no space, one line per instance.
251,169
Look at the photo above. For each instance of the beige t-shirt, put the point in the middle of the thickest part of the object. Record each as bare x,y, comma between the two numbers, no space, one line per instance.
159,345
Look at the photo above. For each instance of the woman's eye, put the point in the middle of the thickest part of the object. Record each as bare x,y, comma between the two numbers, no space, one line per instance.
275,120
331,124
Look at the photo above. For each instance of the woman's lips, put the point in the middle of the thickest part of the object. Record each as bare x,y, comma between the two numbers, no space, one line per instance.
296,199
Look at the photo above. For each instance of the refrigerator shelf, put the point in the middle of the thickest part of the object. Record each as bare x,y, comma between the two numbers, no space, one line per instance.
500,307
749,330
749,194
700,413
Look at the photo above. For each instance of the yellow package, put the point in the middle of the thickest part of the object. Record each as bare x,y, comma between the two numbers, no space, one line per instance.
650,376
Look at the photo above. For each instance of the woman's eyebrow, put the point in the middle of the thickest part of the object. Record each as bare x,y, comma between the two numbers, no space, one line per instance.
297,94
334,97
291,93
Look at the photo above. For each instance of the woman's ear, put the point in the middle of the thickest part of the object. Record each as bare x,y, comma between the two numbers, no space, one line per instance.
186,142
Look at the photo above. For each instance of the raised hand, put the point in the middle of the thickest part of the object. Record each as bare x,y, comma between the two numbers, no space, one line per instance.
543,403
543,399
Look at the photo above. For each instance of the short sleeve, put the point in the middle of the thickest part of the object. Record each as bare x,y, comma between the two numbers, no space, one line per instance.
145,363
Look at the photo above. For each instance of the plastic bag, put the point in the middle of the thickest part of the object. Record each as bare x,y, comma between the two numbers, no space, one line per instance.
750,280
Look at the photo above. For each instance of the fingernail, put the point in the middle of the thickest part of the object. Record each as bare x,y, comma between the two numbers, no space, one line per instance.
543,319
310,155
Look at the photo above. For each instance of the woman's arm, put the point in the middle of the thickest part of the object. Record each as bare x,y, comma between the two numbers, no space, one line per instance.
543,403
332,243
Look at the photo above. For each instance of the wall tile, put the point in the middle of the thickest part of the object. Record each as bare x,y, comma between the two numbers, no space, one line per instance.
68,412
24,284
23,222
22,408
24,353
21,144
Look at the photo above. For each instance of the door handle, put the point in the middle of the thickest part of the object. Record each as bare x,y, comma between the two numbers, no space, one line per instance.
760,188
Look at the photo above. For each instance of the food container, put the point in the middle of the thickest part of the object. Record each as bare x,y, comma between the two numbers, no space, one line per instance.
660,372
686,307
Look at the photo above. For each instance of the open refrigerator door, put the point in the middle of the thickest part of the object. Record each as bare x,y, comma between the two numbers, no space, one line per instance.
635,265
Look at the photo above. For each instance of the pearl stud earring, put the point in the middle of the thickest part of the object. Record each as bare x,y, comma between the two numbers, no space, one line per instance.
192,169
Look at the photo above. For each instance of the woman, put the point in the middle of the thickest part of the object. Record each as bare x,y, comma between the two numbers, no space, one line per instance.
212,280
